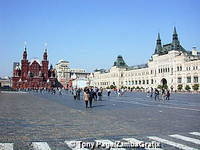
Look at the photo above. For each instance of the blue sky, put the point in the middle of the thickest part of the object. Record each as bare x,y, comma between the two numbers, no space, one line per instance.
91,33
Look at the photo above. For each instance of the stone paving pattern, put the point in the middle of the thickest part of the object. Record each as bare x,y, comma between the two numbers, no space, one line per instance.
44,117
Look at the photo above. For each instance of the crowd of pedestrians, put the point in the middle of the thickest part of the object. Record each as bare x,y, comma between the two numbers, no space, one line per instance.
90,94
162,94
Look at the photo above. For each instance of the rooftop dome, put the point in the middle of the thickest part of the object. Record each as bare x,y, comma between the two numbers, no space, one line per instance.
63,61
120,62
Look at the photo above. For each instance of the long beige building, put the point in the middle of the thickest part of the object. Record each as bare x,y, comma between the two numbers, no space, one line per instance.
170,65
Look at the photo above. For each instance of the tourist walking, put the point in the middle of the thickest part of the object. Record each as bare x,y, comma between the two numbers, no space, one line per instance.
60,91
78,93
86,97
91,96
156,94
74,94
151,92
95,91
163,94
148,92
119,92
108,92
123,91
100,95
167,95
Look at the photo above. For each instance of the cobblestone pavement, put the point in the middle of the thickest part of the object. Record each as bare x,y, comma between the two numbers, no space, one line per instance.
54,121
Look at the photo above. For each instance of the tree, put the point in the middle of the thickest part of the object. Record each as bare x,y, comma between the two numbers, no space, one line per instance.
162,86
187,88
165,86
159,87
137,87
195,87
180,87
112,86
133,88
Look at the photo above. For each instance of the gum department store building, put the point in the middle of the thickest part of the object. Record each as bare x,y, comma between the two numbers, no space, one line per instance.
170,65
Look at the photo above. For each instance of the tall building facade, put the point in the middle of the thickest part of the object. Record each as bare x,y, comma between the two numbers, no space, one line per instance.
170,65
33,74
65,74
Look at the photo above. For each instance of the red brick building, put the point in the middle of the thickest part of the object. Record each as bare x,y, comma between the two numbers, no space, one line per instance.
33,74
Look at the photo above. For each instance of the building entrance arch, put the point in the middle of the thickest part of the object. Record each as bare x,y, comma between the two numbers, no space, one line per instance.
163,82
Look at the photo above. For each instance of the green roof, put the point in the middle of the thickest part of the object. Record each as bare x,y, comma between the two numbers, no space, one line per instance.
120,62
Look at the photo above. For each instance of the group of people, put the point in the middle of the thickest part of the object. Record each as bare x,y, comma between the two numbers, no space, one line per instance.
94,93
76,93
120,92
91,94
163,94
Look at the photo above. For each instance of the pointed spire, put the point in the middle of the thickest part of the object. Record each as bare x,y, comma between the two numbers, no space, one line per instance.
158,36
25,52
175,35
45,52
175,41
158,49
174,30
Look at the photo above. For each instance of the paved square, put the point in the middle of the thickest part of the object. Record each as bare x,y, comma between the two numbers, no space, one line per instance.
54,120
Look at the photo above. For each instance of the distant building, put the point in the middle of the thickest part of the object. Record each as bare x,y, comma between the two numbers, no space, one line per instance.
64,73
171,66
33,73
79,82
5,82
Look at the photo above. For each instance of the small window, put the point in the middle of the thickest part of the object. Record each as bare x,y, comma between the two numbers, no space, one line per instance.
188,79
151,81
196,80
179,80
143,82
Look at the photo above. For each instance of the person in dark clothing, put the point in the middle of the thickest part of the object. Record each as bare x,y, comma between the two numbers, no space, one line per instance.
95,90
78,92
108,92
91,96
167,95
151,92
156,94
100,95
